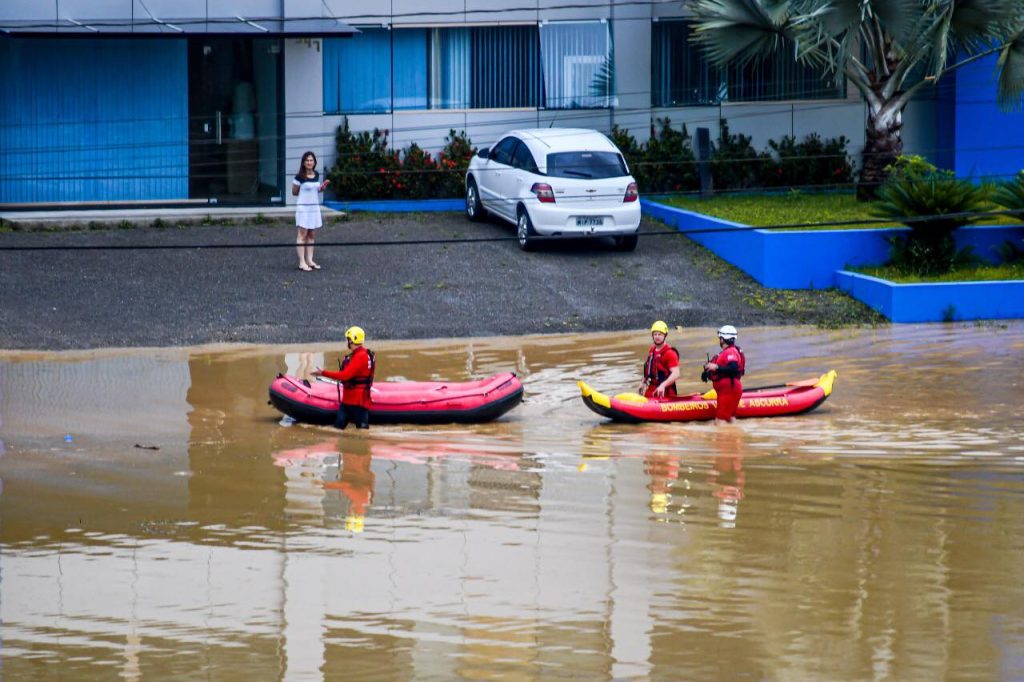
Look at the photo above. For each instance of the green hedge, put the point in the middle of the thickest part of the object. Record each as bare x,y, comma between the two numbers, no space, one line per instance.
667,164
368,168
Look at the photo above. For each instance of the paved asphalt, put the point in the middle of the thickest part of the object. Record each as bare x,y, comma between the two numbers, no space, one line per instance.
79,297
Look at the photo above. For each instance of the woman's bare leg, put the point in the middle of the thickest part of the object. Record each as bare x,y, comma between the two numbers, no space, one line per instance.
310,241
300,247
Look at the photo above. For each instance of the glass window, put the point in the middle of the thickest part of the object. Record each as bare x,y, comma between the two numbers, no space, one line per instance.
586,165
522,158
578,64
409,51
478,67
681,75
503,151
357,73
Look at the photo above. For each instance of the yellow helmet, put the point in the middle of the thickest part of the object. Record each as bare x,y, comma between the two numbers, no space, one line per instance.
355,334
659,326
354,523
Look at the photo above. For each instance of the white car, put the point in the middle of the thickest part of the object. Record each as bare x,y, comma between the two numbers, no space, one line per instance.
556,182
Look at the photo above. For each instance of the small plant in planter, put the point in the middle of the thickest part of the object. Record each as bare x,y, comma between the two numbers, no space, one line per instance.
1010,195
932,206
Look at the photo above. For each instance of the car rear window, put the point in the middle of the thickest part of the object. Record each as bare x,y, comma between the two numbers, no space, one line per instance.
586,165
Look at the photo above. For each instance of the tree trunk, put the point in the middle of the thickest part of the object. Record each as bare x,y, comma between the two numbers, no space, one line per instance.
883,143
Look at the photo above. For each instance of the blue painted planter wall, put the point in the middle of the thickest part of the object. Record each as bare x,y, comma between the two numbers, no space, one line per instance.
936,301
399,205
807,259
818,260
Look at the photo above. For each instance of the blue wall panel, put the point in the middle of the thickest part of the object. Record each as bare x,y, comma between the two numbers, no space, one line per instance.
93,120
989,142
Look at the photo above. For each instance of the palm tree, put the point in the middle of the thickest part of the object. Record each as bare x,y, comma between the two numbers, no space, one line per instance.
888,49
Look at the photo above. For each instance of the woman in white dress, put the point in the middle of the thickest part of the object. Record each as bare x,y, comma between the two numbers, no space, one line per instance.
307,186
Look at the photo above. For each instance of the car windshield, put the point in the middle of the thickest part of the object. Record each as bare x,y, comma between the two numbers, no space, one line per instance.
586,165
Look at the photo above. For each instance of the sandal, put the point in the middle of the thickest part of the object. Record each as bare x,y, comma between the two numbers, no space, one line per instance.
314,266
305,268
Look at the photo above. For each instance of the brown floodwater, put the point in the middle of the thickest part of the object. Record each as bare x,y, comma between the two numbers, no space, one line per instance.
159,521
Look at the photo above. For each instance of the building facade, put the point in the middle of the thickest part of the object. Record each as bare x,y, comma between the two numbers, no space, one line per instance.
192,101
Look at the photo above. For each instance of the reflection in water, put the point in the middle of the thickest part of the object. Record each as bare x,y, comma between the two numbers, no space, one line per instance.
884,528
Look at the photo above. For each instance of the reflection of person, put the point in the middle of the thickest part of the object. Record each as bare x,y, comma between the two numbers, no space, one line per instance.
307,186
356,482
356,377
662,366
663,470
727,478
725,371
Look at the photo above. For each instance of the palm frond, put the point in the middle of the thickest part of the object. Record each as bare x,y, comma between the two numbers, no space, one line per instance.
738,30
1011,73
978,21
899,18
1010,194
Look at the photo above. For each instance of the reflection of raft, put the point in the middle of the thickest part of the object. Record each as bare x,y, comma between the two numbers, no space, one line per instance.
409,402
768,401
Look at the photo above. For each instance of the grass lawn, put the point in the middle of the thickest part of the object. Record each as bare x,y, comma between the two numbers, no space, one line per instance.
977,273
789,208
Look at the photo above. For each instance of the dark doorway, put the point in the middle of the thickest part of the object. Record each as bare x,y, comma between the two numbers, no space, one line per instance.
235,122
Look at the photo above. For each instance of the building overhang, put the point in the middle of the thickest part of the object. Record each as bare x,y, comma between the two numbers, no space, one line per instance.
150,27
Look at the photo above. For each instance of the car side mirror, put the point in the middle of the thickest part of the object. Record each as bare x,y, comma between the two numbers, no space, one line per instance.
483,153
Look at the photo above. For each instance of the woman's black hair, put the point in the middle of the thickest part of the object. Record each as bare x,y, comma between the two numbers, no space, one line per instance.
302,164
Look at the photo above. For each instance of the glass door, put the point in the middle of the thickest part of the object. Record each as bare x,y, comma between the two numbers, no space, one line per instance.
235,126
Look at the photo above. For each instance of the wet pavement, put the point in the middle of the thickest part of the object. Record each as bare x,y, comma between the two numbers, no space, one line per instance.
418,276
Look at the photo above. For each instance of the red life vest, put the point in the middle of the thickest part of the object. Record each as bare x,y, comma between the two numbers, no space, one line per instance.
365,380
729,354
655,369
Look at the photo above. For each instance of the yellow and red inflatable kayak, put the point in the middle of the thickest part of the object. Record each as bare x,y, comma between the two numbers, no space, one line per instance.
766,401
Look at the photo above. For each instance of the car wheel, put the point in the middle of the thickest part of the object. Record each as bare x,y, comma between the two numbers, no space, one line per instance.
524,231
626,242
475,210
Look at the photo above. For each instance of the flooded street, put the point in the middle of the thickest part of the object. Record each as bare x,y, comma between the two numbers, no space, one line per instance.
160,522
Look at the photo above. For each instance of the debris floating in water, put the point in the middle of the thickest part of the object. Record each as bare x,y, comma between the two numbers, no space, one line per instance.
147,447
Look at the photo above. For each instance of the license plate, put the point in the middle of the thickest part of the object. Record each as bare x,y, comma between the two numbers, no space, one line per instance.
589,222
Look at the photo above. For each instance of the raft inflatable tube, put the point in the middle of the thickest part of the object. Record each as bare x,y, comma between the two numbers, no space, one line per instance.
767,401
402,402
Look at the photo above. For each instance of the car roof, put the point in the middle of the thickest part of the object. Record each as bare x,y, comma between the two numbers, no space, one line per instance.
544,141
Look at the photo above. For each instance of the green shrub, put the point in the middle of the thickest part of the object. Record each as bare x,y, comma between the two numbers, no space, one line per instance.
1010,194
812,161
453,162
913,167
735,164
365,166
671,162
418,176
937,198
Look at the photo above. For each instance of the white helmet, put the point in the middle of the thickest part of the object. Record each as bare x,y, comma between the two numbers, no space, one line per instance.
728,332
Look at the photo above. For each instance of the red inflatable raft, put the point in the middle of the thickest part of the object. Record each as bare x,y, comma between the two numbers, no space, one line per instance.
767,401
402,402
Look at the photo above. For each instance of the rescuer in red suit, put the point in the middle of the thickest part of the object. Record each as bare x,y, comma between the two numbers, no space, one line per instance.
726,371
662,366
356,377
